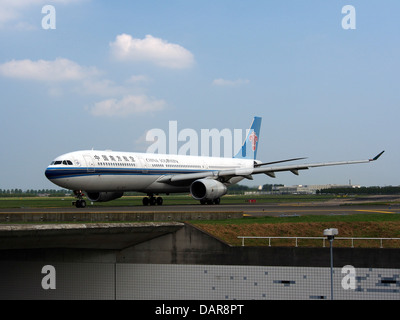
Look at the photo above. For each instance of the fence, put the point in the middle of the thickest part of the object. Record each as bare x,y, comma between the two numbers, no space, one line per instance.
316,238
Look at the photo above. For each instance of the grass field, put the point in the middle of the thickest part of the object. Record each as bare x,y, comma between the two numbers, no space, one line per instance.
355,225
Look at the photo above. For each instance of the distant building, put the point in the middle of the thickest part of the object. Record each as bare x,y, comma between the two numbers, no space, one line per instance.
301,189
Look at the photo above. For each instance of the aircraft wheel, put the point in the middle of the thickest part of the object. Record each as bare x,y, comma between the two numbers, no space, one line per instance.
159,201
80,204
152,201
217,201
145,201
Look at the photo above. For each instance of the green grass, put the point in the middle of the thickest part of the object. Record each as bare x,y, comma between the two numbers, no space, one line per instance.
304,219
35,202
354,226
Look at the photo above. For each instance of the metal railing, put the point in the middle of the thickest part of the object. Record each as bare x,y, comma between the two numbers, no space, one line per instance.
316,238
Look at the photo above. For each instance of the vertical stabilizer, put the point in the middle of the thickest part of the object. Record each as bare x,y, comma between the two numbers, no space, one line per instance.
249,147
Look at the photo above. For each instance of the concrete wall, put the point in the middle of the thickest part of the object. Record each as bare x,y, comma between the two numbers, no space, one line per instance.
192,246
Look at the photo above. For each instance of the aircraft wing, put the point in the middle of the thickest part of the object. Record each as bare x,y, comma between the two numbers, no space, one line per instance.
225,175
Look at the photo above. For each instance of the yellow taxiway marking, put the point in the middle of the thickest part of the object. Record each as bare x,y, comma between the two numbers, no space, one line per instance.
375,211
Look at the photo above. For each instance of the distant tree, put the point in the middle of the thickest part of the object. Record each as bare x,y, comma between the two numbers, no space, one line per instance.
389,190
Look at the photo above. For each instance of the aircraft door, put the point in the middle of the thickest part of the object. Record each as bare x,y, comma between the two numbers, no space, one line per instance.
143,164
89,163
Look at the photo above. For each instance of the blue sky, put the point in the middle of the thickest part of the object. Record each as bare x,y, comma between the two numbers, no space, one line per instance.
112,70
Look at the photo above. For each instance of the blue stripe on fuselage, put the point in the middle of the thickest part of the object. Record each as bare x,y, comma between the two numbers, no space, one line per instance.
59,173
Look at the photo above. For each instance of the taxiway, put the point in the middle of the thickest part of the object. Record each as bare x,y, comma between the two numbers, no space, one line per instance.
193,212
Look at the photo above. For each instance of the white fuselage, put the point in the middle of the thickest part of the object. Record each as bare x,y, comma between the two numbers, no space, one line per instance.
112,171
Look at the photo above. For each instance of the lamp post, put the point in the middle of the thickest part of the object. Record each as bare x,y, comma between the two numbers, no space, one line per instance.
330,234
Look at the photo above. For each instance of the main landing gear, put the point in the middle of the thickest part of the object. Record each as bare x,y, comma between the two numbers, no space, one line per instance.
215,201
80,203
151,200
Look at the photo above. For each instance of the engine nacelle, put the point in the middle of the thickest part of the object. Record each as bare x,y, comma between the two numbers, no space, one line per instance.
207,189
103,196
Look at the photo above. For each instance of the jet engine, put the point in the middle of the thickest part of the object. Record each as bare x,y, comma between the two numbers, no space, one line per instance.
103,196
207,189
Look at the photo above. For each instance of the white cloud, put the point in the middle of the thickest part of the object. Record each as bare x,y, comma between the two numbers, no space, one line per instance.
230,83
43,70
151,49
63,74
101,87
135,79
60,70
130,104
11,10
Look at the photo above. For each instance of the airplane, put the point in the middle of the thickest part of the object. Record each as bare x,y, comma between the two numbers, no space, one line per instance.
106,175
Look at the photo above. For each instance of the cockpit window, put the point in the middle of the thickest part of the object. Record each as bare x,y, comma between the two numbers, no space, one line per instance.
64,162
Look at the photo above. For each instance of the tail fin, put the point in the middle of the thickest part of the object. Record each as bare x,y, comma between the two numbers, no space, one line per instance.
249,147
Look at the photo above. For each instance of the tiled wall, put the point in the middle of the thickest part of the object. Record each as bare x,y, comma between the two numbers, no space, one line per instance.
192,282
145,281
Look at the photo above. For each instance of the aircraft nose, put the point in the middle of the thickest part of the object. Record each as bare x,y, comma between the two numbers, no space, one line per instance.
47,173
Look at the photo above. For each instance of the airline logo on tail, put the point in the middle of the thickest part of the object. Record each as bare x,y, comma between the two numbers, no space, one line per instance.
253,139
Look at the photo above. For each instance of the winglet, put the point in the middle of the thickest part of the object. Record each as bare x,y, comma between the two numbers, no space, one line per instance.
377,157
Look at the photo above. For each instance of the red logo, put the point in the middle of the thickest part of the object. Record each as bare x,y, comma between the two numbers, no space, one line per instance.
253,138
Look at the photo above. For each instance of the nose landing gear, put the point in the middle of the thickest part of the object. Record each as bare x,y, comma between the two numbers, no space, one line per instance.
80,203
